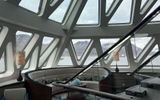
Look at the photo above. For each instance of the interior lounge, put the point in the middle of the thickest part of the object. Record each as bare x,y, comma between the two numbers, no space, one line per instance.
79,49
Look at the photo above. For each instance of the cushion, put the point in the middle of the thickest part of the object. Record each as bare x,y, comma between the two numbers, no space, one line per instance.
76,81
15,94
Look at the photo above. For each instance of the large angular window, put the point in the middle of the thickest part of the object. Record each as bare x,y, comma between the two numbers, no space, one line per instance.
65,58
123,13
107,43
2,64
45,43
32,5
122,62
138,44
22,38
80,45
93,55
59,13
89,14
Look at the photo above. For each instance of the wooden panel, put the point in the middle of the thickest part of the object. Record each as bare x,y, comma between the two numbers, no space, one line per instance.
38,91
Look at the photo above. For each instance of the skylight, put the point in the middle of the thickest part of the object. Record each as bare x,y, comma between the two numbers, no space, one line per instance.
59,13
123,13
89,14
157,18
108,4
32,5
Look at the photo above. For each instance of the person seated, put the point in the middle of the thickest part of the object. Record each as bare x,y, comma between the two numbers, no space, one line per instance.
76,82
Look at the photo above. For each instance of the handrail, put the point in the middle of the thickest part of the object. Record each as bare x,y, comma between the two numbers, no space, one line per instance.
91,91
119,43
145,63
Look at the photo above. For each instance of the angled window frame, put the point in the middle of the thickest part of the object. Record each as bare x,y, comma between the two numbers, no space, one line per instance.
98,24
40,2
130,19
32,34
74,50
62,22
5,59
41,53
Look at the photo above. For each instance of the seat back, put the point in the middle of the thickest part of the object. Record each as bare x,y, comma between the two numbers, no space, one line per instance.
15,94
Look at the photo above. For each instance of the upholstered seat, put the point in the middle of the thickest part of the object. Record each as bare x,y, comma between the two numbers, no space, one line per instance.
15,94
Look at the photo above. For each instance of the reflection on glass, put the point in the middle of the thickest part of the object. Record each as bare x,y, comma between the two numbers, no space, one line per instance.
32,5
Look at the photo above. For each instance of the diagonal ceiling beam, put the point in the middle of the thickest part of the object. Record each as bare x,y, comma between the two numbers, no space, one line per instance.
136,11
20,18
73,14
47,9
112,10
15,2
112,31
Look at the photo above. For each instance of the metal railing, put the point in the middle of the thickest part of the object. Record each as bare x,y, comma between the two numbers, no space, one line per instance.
91,91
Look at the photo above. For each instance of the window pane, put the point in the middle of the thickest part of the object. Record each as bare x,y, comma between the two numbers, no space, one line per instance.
32,5
22,38
27,64
157,18
154,50
2,64
122,58
107,43
80,46
45,43
60,12
65,58
138,44
108,4
124,17
89,14
143,3
93,55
